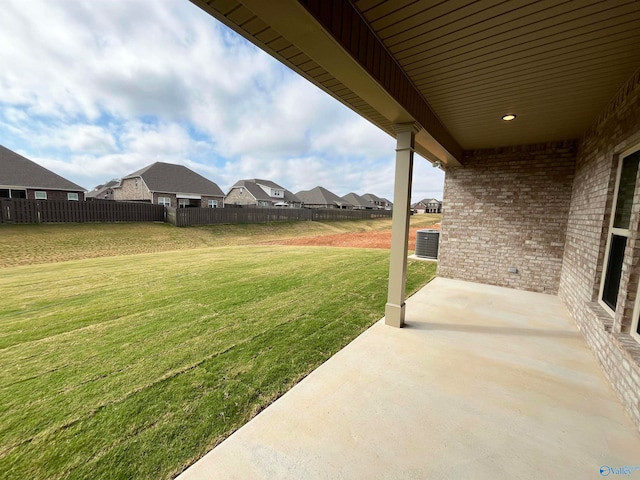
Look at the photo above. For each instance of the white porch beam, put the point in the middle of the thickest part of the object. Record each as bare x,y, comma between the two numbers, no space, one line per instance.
405,138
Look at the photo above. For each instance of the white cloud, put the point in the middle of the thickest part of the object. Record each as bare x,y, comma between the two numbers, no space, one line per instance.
95,90
165,140
92,138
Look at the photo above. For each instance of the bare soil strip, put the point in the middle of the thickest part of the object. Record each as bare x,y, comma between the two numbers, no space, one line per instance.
354,240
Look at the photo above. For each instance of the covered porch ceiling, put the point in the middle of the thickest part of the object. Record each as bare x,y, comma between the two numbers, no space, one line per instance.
454,67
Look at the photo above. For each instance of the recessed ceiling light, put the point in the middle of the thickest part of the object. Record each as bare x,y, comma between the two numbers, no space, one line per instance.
508,117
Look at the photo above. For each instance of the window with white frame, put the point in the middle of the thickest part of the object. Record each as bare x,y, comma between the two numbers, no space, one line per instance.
619,228
41,195
212,203
164,201
183,202
72,196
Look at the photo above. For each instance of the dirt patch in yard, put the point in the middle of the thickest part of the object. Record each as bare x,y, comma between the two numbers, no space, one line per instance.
356,240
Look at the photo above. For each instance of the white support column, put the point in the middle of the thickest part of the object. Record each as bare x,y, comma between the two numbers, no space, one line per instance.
405,137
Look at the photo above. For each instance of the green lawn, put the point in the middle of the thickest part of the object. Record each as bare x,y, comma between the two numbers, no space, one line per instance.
134,366
45,243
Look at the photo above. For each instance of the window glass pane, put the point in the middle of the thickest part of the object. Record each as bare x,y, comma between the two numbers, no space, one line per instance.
625,190
614,270
4,193
18,194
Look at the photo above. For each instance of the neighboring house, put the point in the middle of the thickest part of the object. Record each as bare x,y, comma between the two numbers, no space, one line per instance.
320,197
358,202
22,178
261,193
169,185
389,204
378,202
430,205
103,192
419,207
434,206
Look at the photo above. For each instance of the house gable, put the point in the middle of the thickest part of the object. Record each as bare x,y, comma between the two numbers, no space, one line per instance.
261,193
132,188
240,195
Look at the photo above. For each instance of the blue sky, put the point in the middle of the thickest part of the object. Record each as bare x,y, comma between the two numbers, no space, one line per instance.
95,90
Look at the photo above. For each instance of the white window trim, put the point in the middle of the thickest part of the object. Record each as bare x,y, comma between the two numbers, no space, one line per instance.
611,230
44,195
69,194
162,201
212,203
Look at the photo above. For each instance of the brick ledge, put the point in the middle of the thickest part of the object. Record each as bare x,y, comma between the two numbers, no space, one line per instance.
601,314
629,347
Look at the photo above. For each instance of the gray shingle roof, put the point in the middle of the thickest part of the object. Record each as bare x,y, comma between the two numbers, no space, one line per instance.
100,189
20,172
252,186
357,200
425,201
253,189
290,197
266,183
320,196
372,198
170,178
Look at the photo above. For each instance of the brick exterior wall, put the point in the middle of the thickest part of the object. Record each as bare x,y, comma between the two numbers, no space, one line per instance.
54,194
508,207
174,199
132,189
132,192
205,201
616,130
234,197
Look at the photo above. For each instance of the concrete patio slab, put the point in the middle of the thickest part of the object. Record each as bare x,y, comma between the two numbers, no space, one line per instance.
483,383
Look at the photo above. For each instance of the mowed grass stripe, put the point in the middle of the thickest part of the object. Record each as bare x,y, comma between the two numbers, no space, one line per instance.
173,324
211,306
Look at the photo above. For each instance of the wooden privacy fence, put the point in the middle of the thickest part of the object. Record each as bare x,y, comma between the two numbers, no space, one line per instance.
45,211
184,217
52,211
329,214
